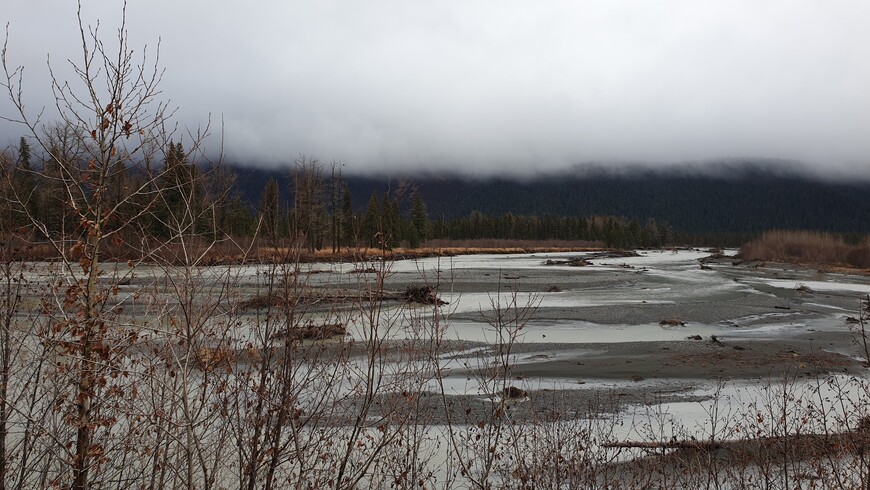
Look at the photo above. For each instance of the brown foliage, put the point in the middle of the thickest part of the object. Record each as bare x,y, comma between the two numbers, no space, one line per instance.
807,247
312,331
426,295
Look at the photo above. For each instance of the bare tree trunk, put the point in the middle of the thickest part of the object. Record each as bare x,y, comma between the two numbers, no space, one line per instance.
10,301
113,124
336,226
88,367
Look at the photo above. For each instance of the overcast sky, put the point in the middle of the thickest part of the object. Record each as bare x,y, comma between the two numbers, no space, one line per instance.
480,86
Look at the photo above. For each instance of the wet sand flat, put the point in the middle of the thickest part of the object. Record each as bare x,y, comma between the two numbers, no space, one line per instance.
755,321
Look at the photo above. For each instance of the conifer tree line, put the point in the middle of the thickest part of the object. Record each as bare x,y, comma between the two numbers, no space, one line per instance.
204,201
317,207
180,197
612,231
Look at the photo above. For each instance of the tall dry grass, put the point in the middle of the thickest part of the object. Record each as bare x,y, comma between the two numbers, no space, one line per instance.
494,243
808,247
234,250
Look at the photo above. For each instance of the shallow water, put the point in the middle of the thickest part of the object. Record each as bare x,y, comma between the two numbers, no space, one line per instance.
564,331
622,299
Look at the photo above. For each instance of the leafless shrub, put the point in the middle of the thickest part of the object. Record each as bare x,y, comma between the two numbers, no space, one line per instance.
155,373
806,247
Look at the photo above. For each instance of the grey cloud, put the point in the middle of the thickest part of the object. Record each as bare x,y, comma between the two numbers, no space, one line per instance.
484,86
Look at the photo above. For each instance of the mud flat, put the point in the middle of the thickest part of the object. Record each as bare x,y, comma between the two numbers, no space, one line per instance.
653,327
696,359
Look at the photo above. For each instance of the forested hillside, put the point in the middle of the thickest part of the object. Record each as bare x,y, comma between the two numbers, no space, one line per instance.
722,204
731,200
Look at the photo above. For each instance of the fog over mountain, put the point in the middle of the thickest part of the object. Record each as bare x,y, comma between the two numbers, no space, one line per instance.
482,87
725,202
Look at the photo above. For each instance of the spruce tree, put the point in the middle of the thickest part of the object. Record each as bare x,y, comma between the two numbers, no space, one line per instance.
25,183
419,221
372,220
392,221
349,231
269,200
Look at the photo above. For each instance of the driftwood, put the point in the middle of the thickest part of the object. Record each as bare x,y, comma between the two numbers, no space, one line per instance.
305,299
612,254
575,262
422,294
364,270
672,322
311,331
413,294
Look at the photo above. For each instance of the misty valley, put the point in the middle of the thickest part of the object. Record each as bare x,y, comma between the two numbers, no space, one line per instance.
549,245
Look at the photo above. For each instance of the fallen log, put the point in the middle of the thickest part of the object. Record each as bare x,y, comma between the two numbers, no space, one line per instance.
311,331
575,262
426,295
313,298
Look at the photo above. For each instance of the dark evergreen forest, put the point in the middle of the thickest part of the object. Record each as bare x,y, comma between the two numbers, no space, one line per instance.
725,206
718,205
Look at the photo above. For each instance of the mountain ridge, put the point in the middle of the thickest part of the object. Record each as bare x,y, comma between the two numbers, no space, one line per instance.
733,196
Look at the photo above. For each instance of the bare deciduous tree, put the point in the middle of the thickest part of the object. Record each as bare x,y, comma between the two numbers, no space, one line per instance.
308,202
110,122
